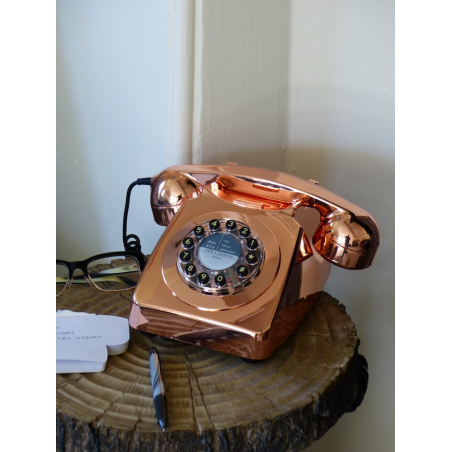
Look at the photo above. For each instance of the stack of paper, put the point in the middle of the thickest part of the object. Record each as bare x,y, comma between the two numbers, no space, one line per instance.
84,341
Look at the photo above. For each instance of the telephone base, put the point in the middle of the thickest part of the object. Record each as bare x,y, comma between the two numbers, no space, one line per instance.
224,340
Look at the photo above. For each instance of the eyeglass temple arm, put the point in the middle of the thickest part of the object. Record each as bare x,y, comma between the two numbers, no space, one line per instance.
111,274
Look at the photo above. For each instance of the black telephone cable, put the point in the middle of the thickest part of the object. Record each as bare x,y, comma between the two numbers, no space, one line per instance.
132,242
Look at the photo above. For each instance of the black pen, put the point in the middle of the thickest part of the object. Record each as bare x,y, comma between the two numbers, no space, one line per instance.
158,388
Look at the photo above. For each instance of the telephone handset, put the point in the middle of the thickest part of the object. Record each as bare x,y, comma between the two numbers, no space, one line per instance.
235,270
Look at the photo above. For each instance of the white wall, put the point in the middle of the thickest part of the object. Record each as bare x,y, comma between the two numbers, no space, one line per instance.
300,86
112,120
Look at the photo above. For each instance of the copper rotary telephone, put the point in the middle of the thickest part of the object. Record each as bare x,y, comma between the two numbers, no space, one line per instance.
234,270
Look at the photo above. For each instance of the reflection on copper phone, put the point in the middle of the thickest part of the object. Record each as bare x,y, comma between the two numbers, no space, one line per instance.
235,270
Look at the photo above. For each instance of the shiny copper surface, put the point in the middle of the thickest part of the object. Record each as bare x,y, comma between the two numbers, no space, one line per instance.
221,303
169,191
223,339
305,249
257,318
161,286
344,228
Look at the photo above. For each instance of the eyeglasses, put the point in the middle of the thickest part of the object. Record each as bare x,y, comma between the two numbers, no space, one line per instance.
109,272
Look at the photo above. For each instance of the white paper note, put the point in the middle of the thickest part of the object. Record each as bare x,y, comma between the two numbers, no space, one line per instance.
83,342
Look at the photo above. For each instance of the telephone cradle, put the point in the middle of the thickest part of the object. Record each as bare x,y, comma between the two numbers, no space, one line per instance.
236,270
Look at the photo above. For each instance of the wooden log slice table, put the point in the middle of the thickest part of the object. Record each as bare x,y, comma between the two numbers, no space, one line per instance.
216,402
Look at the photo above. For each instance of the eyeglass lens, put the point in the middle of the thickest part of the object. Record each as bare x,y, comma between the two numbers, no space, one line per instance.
115,274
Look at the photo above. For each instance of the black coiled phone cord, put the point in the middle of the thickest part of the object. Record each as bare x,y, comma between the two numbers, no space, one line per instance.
132,242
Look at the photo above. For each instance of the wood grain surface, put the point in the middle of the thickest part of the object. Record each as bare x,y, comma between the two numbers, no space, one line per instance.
215,401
